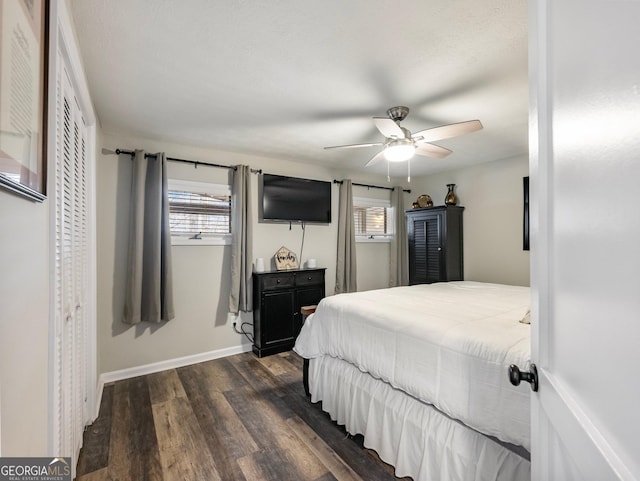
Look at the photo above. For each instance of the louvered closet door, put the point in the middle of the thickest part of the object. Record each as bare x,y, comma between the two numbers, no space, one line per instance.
435,244
72,264
428,249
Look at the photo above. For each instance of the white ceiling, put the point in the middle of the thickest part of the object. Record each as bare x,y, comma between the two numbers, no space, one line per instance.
285,78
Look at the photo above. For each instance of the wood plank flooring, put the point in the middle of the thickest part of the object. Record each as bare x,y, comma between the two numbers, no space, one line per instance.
239,418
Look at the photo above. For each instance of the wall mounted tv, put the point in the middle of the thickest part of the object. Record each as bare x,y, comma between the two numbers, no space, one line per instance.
290,199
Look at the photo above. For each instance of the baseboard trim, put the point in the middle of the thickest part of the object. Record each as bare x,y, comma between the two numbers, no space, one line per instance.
107,377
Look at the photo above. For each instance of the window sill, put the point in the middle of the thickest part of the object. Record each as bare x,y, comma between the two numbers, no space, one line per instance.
375,240
205,241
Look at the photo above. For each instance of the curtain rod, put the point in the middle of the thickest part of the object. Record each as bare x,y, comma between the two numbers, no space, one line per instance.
195,163
408,191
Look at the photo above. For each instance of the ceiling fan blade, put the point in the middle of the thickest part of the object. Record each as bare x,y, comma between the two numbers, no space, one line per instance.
431,150
447,131
353,146
376,158
388,127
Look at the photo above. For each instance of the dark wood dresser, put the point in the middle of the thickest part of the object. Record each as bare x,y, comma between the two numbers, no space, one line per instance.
277,299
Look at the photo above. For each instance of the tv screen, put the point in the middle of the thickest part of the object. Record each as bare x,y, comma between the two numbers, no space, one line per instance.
288,199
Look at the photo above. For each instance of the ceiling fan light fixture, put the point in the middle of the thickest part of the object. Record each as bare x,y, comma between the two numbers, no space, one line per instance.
399,150
400,144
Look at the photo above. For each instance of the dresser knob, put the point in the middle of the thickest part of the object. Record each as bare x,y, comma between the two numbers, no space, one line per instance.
309,278
277,281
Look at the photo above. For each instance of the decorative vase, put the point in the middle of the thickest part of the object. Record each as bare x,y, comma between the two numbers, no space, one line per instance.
450,198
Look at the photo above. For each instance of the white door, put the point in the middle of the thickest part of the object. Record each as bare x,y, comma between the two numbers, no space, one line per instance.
585,194
71,270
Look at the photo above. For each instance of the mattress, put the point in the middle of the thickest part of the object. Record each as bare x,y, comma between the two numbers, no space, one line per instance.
446,344
412,436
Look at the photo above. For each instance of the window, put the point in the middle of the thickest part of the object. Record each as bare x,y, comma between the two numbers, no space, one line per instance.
373,219
199,213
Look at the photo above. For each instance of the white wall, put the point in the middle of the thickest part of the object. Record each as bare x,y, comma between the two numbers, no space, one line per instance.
24,326
201,273
491,194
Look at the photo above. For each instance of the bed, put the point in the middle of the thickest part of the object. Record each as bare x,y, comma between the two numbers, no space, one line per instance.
421,372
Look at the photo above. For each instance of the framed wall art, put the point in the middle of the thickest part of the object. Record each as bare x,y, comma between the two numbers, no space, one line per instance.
24,31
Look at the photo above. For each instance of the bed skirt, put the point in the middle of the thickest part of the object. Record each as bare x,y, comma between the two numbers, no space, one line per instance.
414,437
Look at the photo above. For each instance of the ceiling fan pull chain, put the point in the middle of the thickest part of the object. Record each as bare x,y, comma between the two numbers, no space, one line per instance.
388,176
409,170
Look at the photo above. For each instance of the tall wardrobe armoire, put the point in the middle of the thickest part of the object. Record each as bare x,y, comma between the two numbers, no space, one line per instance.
435,244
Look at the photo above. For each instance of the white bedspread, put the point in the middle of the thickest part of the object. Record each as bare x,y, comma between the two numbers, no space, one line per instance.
448,344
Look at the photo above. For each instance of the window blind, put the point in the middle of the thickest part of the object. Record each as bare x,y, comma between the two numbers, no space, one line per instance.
370,221
193,213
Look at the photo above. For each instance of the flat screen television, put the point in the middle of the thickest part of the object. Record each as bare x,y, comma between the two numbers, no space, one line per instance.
291,199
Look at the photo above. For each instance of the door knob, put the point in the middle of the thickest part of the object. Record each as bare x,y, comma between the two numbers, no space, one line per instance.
516,375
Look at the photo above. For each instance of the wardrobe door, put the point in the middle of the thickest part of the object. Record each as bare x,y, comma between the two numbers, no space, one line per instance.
71,285
425,249
435,244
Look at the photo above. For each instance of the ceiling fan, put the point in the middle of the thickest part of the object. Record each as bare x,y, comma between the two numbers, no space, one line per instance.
400,144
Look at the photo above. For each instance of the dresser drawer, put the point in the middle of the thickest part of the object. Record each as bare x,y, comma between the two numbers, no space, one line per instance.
277,281
309,278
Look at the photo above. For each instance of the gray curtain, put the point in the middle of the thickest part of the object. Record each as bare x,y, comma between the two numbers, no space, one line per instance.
149,294
242,243
399,256
346,261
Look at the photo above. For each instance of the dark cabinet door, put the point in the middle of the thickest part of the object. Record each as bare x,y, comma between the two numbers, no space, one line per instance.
435,244
426,258
279,308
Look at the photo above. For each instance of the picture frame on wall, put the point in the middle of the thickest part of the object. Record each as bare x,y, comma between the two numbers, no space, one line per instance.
525,217
24,49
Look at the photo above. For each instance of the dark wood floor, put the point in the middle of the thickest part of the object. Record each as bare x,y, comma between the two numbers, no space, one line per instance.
234,419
